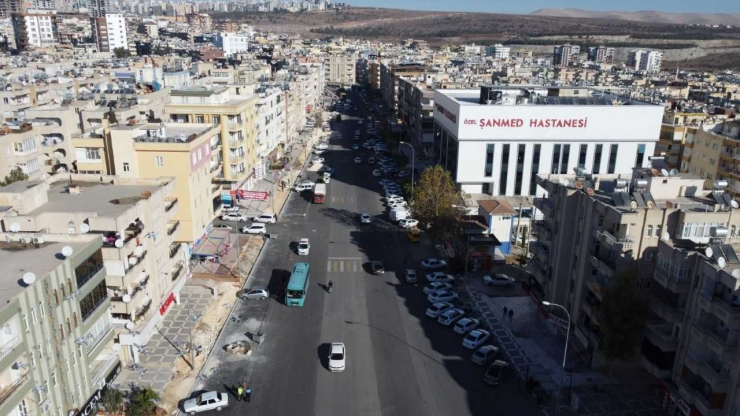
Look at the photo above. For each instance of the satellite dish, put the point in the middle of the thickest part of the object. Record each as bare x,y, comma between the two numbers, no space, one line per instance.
130,325
579,185
736,273
566,182
655,172
721,262
67,251
709,252
665,172
29,278
590,191
650,204
668,204
674,172
15,227
133,260
666,236
84,228
734,204
126,298
119,243
633,204
139,251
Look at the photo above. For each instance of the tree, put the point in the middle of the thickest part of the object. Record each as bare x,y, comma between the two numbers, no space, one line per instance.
433,200
15,175
121,52
143,402
622,315
112,400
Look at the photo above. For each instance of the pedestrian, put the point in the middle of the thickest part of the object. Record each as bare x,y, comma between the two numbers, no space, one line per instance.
248,394
511,315
239,393
245,389
506,311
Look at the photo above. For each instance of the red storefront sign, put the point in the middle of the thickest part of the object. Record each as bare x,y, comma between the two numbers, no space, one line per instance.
166,304
258,196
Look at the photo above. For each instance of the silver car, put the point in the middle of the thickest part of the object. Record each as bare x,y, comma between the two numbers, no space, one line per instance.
255,293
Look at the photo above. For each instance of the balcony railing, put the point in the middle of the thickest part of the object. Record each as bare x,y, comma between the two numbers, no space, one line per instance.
216,167
174,250
215,146
95,340
12,387
95,307
171,229
9,346
177,272
85,273
170,202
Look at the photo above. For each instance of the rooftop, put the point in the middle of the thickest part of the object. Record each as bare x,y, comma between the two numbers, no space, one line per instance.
538,95
17,260
198,92
103,198
169,132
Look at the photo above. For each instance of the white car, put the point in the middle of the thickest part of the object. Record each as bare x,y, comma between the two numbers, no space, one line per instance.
222,227
397,204
256,228
303,247
433,263
499,279
439,277
232,209
431,287
321,146
318,151
319,160
211,400
436,309
359,122
376,172
475,338
465,325
337,357
357,132
355,146
365,218
358,160
410,276
233,217
266,218
484,354
385,182
408,223
393,197
450,316
442,295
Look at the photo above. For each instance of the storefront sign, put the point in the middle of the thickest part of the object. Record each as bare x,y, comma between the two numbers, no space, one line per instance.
90,408
166,304
556,123
258,196
447,113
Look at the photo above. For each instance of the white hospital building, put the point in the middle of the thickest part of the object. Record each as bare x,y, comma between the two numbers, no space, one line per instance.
497,139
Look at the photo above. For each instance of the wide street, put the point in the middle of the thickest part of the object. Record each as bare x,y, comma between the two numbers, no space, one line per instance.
399,362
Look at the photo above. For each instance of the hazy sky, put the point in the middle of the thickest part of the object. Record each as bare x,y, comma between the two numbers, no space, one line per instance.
528,6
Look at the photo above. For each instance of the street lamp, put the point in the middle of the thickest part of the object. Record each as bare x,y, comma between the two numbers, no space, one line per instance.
565,352
413,157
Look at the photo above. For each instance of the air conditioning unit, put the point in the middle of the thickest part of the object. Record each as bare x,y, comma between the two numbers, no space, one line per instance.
24,240
38,240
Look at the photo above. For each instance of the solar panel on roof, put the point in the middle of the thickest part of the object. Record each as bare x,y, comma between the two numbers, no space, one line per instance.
648,197
617,199
718,198
627,201
638,198
728,199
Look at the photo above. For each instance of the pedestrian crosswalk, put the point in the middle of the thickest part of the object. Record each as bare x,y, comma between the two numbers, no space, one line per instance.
343,265
342,199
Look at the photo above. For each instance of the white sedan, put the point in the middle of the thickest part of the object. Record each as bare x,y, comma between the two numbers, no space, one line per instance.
433,263
465,325
337,357
376,172
439,277
449,316
256,228
431,287
476,338
499,279
393,197
358,160
436,309
233,217
397,204
408,223
211,400
442,295
303,247
365,218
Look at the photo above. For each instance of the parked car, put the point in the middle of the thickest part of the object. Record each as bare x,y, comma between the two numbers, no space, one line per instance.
410,276
393,197
266,218
358,121
337,357
450,316
431,287
355,146
365,218
484,354
256,228
371,161
465,325
222,227
255,293
439,277
211,400
358,160
442,295
231,209
303,247
499,279
396,204
376,267
495,372
432,263
408,223
437,308
376,172
475,338
233,217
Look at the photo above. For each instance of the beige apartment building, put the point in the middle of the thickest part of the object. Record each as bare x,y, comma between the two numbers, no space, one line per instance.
235,115
56,343
135,220
340,69
714,154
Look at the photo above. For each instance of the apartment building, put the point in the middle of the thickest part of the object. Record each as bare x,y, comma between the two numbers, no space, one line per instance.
389,75
200,22
99,8
57,340
714,153
191,153
601,55
645,61
339,69
34,28
676,124
498,51
231,43
236,115
416,111
564,55
270,127
110,32
145,266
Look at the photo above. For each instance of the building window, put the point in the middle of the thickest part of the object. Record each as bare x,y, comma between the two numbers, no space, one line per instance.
657,231
732,231
34,319
504,170
712,162
649,230
126,167
158,161
53,378
612,158
199,119
555,159
25,322
640,155
41,309
535,170
565,160
519,168
597,159
582,156
489,160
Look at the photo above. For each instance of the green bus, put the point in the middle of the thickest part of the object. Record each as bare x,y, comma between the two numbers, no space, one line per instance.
295,293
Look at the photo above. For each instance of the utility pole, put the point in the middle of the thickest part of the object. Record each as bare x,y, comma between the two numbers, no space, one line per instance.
519,220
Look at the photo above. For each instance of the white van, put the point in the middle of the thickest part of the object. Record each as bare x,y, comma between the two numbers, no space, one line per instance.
398,214
303,187
327,177
322,146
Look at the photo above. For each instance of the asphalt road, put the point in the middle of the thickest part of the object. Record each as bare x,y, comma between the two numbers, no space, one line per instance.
399,362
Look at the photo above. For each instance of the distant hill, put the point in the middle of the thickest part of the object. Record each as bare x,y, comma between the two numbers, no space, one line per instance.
732,19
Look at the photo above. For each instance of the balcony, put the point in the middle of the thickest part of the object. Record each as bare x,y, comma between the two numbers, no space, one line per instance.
216,145
216,167
8,393
733,172
665,309
540,250
234,125
545,205
174,249
709,370
216,190
172,227
677,281
91,312
619,243
9,352
693,395
236,157
716,304
710,338
93,341
661,335
179,267
236,141
171,206
85,273
542,229
652,368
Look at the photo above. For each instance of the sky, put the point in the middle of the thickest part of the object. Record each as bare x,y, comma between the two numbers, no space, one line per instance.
528,6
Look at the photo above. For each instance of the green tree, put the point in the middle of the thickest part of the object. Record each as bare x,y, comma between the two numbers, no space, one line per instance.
112,400
121,52
15,175
622,315
143,403
433,200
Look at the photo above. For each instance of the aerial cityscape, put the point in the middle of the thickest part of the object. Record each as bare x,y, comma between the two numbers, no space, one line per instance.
323,208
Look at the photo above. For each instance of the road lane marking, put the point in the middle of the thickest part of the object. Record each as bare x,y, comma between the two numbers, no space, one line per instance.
345,258
341,266
328,266
354,266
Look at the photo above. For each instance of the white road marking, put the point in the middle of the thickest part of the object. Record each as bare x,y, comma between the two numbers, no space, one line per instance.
341,266
354,266
328,266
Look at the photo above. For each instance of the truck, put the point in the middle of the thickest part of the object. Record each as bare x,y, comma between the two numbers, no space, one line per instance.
398,214
319,193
